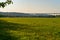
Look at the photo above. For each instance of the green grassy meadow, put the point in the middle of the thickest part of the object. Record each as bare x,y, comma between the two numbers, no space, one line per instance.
29,28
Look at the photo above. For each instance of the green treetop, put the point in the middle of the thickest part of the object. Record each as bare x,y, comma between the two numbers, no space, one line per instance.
7,2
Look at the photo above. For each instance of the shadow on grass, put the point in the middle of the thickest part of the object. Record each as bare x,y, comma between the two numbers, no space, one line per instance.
29,33
5,26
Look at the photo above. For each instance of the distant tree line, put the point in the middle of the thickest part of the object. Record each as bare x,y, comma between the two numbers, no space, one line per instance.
29,16
50,16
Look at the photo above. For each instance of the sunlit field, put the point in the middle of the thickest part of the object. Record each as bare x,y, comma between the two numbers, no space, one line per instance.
29,28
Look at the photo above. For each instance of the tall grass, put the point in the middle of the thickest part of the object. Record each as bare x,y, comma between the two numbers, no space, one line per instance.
30,28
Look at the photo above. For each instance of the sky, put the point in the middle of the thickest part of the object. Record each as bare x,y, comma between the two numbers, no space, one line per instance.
33,6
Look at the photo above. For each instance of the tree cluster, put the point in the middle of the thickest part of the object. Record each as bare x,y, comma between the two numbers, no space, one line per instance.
7,2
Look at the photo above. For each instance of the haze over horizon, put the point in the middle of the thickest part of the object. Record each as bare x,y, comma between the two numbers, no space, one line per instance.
33,6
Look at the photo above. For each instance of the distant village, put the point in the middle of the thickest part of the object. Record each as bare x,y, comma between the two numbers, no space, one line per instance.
15,14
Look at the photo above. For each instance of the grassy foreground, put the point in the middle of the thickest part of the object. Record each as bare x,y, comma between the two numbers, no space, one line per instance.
29,28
